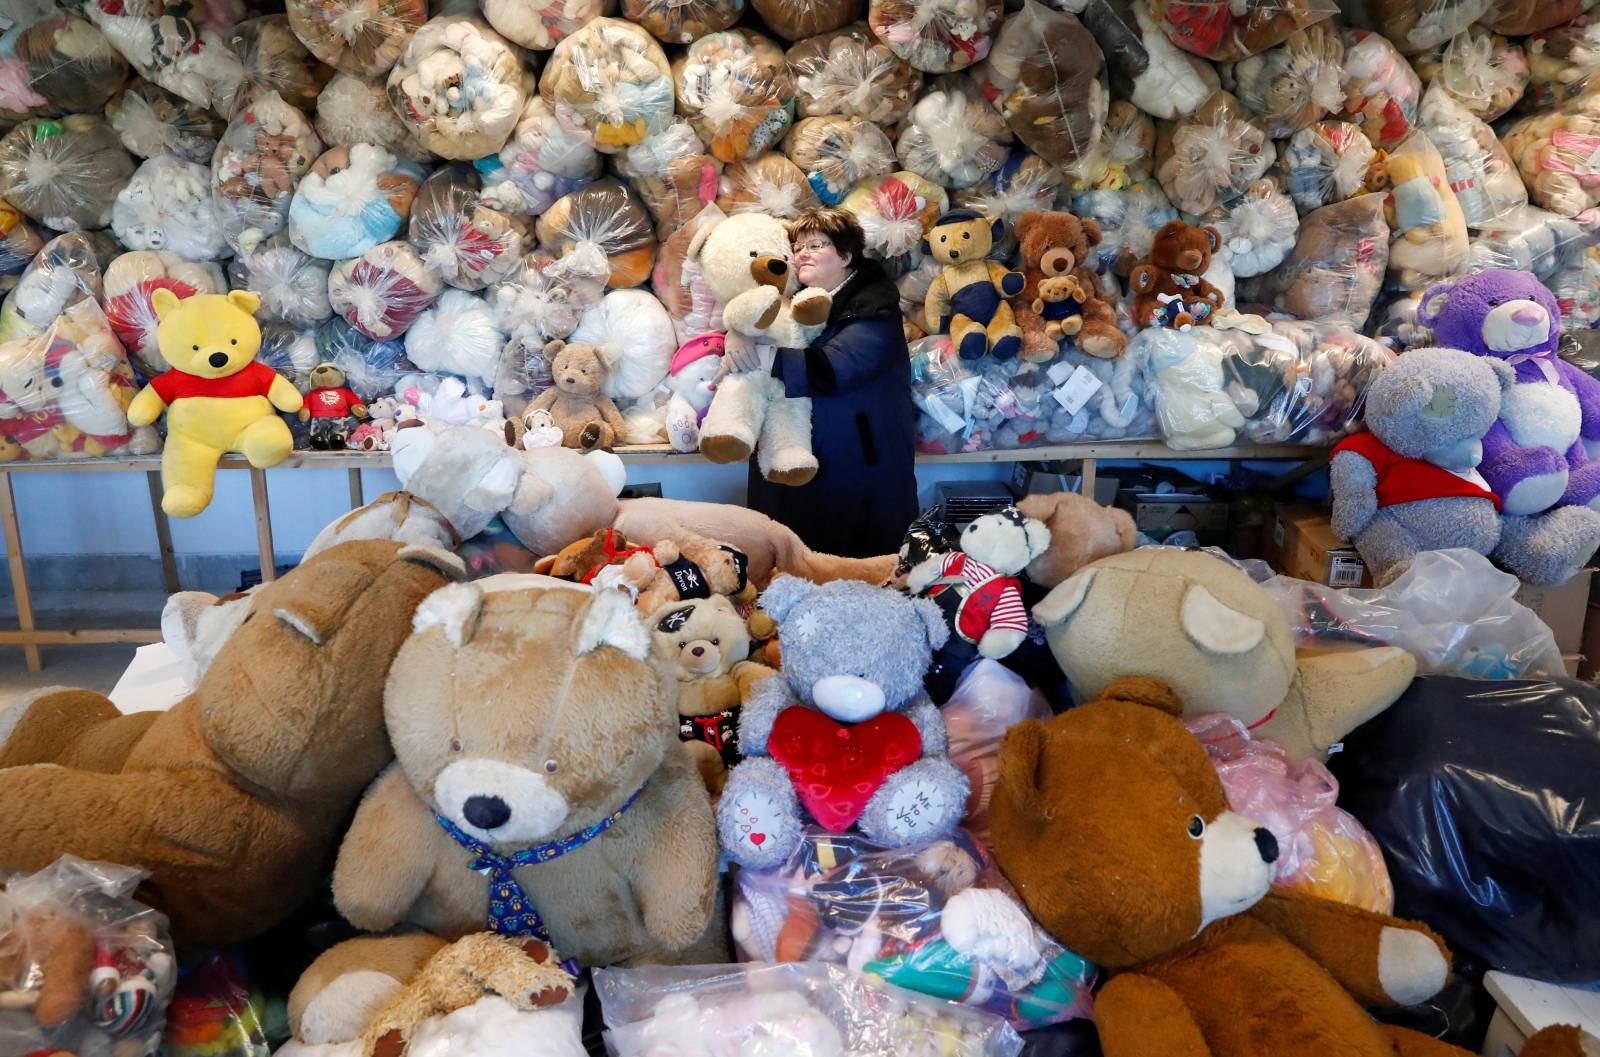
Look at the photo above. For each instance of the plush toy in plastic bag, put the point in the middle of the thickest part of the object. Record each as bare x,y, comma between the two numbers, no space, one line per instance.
1183,370
1381,90
361,37
1230,32
1430,232
167,206
373,368
152,121
292,285
1326,162
800,1009
736,92
130,281
1486,184
541,161
936,36
803,19
1129,219
268,146
460,239
1532,240
673,174
609,216
681,284
217,1011
1558,154
1337,266
1258,230
353,109
1211,157
541,24
1046,77
1124,155
988,700
458,87
458,334
383,291
1577,290
637,340
610,79
682,21
59,64
952,136
19,242
770,184
1298,82
851,73
273,60
1023,184
835,153
1322,850
1481,70
83,966
65,173
934,918
1302,382
1416,25
1518,18
895,212
1562,63
169,49
1146,69
66,271
546,296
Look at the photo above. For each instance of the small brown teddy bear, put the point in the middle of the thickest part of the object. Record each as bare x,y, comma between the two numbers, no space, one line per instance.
1168,288
1060,296
1153,877
587,418
62,950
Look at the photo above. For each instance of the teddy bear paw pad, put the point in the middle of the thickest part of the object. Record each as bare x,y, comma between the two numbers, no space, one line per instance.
760,823
918,809
1410,966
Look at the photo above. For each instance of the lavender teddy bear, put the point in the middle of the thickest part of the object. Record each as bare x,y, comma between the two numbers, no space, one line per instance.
1538,455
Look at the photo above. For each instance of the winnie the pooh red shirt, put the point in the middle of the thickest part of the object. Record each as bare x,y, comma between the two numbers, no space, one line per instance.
253,379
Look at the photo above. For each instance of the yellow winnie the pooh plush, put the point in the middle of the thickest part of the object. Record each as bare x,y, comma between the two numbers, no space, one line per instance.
217,398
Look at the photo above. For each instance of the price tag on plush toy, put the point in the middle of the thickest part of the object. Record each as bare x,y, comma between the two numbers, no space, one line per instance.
946,417
1060,371
1077,390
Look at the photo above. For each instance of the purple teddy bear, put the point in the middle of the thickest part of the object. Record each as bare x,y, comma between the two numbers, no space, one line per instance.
1537,455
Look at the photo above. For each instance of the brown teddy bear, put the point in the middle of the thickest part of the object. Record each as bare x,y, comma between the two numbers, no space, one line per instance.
587,418
1081,531
234,799
1168,289
1055,247
1154,878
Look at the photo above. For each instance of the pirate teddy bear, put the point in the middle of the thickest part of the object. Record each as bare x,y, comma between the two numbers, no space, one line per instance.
329,407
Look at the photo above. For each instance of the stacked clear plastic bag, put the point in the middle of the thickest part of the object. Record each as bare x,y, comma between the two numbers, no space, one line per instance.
1416,25
1430,231
1518,18
800,1009
273,60
371,367
1338,263
1562,63
292,285
86,968
458,334
895,212
546,296
1258,230
1129,219
217,1011
1577,290
1326,162
1481,70
460,239
989,699
1232,31
1303,382
167,48
1120,404
1294,84
952,136
540,162
64,172
611,80
936,36
1486,184
167,205
984,404
801,19
1025,182
682,21
852,73
835,153
267,147
383,291
735,90
770,184
541,24
354,36
606,215
1381,91
1183,371
67,270
290,352
458,87
59,64
151,121
131,281
354,109
673,174
935,918
678,281
19,242
1146,68
1125,154
1322,850
1046,76
1532,240
1211,157
352,199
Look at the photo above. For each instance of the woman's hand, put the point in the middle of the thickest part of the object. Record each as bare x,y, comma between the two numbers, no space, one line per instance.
739,358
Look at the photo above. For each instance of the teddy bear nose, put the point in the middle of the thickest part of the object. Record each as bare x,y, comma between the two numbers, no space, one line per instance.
218,360
1267,845
698,651
490,812
1528,315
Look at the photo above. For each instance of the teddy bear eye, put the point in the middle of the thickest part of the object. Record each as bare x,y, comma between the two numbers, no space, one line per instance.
233,341
550,767
196,348
1197,827
716,642
682,644
966,234
455,744
753,253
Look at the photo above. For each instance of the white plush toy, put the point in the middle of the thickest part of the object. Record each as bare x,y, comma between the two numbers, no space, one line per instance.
748,264
995,548
1184,370
692,381
167,206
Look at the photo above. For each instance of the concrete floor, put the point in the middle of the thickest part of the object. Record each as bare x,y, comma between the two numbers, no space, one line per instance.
92,667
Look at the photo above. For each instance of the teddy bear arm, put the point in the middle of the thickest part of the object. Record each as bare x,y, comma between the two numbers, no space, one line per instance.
760,712
1209,292
745,312
674,878
145,408
925,716
1354,484
284,396
1139,1015
545,400
612,417
1008,282
1145,278
1588,392
924,573
1380,960
936,305
385,858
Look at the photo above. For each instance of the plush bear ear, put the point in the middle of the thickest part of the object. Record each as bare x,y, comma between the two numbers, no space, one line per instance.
1064,599
552,349
1432,303
927,247
1213,236
409,449
1091,231
164,301
1020,753
698,242
245,300
454,608
934,624
610,619
783,594
1215,628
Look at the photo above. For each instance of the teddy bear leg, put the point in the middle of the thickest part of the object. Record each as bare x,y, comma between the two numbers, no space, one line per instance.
734,419
188,475
1101,340
1003,334
41,725
1549,548
596,436
1387,548
918,803
758,818
1583,480
784,452
968,336
266,442
1036,344
341,993
1138,1016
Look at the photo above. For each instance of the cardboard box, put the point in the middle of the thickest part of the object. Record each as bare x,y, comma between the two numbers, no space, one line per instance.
1304,547
1161,514
1038,478
1563,607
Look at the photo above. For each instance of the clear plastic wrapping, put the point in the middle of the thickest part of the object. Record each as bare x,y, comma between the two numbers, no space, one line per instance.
85,965
1322,850
770,184
1183,372
1210,158
461,240
989,699
189,60
635,335
798,1009
1517,18
1532,240
801,19
352,199
952,136
541,161
673,174
66,271
458,87
1298,82
936,36
1232,31
1577,290
610,217
682,21
217,1010
611,80
371,367
58,64
1046,77
1337,266
1562,62
1125,154
458,334
268,146
131,281
292,284
736,92
1481,70
1325,163
1025,182
835,153
352,109
383,291
1305,382
541,24
167,205
1146,69
895,212
273,60
1430,233
363,37
1558,153
678,281
1258,230
152,121
851,72
1382,93
1416,25
545,299
1479,171
19,242
1129,218
65,173
936,918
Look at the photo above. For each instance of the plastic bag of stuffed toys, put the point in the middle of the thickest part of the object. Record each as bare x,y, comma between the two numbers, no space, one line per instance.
851,73
736,92
273,60
1337,266
192,61
800,19
1302,382
267,148
65,173
541,24
292,284
372,368
1211,157
66,271
541,161
1532,240
1558,154
58,64
83,967
151,121
458,87
1024,182
355,36
952,136
1146,69
895,212
1430,232
1481,70
1381,90
353,110
608,215
1298,82
1324,163
682,21
611,80
167,205
1258,230
673,174
835,153
461,240
131,281
933,918
1046,77
19,243
1561,63
1516,18
1322,850
798,1009
770,184
1577,290
936,36
1416,25
383,291
1232,31
1129,219
1480,173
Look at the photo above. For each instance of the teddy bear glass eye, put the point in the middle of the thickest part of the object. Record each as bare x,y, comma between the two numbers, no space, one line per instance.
1197,827
550,767
455,744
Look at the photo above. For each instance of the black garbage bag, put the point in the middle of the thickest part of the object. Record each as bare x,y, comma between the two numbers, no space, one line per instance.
1485,797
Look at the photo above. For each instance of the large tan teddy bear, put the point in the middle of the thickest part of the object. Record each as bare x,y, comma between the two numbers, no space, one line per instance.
588,419
539,786
234,799
748,265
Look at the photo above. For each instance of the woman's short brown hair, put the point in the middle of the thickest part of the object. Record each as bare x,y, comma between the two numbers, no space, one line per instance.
838,225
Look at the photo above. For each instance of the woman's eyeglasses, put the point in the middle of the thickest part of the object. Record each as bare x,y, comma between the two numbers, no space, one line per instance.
821,246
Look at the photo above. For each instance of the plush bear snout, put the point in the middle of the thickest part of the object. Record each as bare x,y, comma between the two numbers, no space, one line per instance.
1056,261
1190,260
219,360
700,658
1516,325
770,271
848,698
500,801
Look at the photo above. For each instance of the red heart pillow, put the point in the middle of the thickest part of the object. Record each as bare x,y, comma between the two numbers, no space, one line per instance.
836,767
